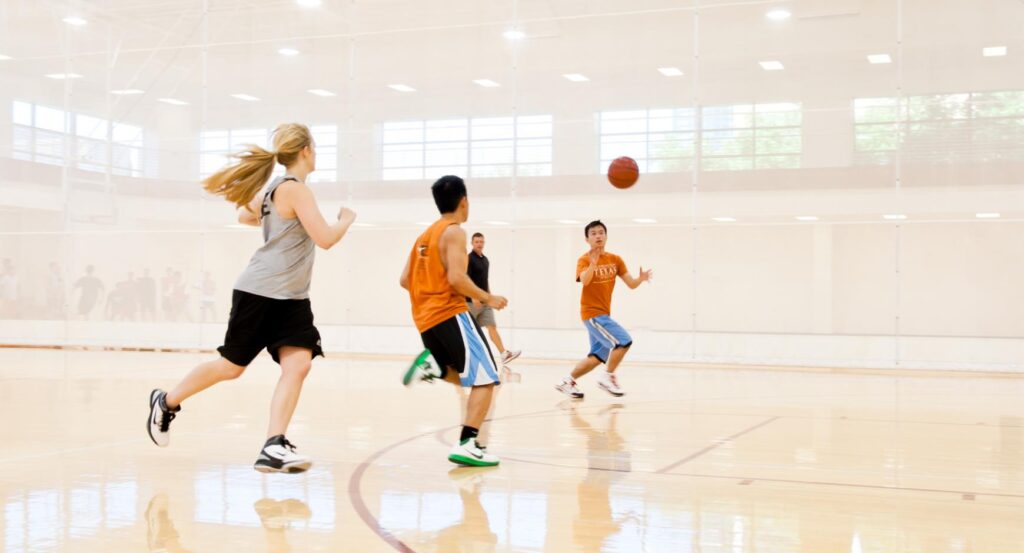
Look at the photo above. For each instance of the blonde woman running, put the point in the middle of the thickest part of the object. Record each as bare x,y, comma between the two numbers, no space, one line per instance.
270,303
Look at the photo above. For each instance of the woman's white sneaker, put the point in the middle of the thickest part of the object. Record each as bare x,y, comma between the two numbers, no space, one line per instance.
279,455
160,417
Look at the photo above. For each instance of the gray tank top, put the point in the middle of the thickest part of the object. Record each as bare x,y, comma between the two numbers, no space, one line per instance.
283,267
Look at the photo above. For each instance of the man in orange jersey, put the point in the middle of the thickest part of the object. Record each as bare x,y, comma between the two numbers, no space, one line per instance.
609,342
435,276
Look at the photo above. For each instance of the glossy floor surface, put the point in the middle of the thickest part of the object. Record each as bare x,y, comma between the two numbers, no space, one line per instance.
691,459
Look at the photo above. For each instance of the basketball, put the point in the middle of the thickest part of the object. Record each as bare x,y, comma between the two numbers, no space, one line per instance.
623,172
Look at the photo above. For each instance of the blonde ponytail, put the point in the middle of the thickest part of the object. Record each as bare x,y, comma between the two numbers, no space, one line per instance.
239,183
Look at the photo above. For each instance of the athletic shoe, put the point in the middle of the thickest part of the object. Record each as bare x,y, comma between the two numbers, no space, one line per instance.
610,385
509,356
160,416
568,387
421,369
470,454
278,455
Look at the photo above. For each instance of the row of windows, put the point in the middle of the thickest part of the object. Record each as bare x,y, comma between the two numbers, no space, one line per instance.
478,147
979,126
731,138
971,126
216,146
47,135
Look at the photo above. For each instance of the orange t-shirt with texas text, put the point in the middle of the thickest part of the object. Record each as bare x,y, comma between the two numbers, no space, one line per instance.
596,298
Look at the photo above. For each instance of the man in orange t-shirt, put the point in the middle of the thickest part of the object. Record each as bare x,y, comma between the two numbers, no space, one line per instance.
609,342
435,276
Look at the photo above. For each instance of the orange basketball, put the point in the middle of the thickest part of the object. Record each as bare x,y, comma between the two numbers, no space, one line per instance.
623,172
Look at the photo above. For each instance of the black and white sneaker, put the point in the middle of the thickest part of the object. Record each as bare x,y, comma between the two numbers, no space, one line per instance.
278,455
160,417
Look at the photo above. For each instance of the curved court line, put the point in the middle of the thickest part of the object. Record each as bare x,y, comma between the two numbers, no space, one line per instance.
355,482
356,496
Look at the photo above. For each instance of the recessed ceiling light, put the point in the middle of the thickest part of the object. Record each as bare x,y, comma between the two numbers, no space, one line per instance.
568,221
644,220
126,91
173,101
778,14
670,71
288,51
401,87
514,34
245,97
3,57
993,51
894,216
723,219
772,65
309,3
62,76
987,215
74,20
879,58
499,223
320,92
576,77
486,83
806,218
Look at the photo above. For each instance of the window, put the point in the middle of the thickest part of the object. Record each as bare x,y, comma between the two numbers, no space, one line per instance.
480,147
216,147
731,138
660,140
326,139
43,134
751,136
970,126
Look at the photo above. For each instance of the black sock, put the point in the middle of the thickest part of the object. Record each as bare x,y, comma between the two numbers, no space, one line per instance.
165,407
467,433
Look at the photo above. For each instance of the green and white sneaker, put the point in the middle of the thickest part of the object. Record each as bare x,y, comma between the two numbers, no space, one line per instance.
421,369
470,454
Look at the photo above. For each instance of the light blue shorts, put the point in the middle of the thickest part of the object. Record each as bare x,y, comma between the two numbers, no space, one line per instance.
606,335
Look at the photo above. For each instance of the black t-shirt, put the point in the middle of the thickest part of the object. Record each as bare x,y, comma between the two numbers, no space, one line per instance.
479,266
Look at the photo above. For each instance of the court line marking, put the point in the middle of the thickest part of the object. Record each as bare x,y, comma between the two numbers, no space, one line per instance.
717,444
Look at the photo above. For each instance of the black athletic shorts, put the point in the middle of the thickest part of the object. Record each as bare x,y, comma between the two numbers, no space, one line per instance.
257,322
458,343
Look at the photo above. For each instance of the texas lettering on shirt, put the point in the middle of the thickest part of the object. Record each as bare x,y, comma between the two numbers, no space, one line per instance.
596,297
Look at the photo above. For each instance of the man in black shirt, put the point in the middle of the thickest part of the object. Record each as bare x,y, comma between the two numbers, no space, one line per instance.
479,266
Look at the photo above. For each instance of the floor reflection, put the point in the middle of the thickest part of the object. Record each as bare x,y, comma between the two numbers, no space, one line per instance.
472,533
607,462
161,534
277,516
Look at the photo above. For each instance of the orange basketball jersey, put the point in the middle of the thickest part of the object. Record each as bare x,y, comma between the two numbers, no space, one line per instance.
433,298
